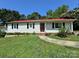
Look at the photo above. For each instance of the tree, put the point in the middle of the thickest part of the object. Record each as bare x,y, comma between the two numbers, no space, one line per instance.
23,17
49,13
72,13
29,16
69,14
9,15
34,15
76,15
43,17
59,11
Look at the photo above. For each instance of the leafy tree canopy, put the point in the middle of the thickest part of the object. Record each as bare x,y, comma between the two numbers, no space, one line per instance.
72,13
34,15
57,13
49,13
9,15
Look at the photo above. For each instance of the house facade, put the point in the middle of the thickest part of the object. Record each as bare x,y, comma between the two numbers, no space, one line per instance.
39,26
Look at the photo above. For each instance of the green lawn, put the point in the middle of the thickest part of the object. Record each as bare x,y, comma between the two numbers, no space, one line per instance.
69,37
32,46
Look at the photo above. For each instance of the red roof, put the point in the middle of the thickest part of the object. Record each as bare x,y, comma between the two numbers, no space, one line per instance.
45,20
39,20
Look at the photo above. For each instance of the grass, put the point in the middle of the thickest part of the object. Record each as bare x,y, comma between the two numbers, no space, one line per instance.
31,46
69,37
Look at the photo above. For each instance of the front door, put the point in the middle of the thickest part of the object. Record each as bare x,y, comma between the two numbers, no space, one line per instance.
42,27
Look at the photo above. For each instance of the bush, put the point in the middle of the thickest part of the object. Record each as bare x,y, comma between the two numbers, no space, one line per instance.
47,34
2,33
62,33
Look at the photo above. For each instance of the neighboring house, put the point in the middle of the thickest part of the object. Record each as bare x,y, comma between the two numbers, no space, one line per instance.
39,26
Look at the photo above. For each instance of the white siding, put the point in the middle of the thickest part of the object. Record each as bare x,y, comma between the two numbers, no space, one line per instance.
22,28
49,29
69,26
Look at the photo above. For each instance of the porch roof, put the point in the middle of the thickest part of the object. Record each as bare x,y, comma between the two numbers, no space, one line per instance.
43,20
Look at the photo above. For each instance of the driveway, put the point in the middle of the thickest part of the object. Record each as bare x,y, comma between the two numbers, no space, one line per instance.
74,44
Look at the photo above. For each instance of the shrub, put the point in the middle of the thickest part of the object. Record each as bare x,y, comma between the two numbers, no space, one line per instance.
62,33
2,33
47,34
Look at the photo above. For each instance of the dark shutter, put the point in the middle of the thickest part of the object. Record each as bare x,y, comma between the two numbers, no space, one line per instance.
64,25
33,25
17,26
52,25
12,26
27,25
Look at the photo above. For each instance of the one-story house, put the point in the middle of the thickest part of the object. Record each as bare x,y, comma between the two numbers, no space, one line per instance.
39,26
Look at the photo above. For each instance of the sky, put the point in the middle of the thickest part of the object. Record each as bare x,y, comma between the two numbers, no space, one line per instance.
41,6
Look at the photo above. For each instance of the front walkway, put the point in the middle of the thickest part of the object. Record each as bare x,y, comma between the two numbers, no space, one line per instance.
10,35
74,44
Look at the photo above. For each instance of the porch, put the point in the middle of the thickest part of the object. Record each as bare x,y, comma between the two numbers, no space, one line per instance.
53,27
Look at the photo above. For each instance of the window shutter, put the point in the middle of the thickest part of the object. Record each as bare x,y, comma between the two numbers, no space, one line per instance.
27,25
64,25
17,26
12,26
33,25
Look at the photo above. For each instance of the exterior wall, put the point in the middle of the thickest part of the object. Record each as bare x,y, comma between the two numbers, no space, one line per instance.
22,28
49,29
69,26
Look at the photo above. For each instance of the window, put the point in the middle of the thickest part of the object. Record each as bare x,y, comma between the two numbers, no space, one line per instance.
30,24
57,25
33,25
14,26
27,25
52,25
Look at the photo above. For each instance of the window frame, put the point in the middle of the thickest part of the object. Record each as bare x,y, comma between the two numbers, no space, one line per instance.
15,26
57,25
30,25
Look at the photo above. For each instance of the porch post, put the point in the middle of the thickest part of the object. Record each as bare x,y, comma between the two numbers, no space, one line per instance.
71,26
